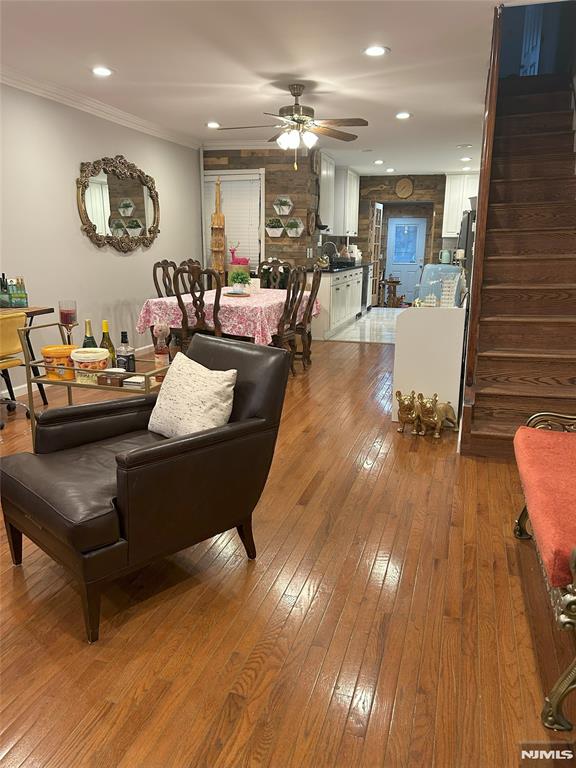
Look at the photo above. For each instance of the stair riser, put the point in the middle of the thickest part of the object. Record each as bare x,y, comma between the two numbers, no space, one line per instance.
533,191
527,336
548,216
535,102
496,372
514,411
544,270
505,146
539,122
521,243
529,301
533,167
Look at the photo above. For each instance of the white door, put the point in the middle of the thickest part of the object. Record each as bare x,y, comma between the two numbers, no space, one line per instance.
405,253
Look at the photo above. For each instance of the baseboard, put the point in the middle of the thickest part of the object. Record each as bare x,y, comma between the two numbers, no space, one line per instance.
20,390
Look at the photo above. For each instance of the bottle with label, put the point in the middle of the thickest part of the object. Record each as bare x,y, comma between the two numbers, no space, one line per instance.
125,355
106,343
161,352
89,340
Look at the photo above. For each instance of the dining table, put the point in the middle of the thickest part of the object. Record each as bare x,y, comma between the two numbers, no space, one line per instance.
254,316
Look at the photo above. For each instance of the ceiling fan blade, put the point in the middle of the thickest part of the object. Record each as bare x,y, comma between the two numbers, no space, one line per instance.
342,121
333,134
242,127
285,119
273,138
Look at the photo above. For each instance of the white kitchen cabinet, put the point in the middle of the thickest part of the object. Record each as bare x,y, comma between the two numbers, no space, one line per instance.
459,187
327,180
346,202
340,298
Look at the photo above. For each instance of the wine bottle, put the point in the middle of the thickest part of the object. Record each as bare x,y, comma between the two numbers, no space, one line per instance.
125,356
106,343
89,340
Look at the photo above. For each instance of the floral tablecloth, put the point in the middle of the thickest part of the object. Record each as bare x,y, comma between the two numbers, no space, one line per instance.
255,316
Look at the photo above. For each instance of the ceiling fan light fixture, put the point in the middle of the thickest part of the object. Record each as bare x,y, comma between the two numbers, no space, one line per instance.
293,138
282,140
309,139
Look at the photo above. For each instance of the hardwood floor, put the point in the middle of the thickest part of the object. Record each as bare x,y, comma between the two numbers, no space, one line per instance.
386,621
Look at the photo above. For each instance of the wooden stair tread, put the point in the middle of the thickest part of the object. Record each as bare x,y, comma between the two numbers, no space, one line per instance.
516,115
530,257
541,319
558,393
533,135
535,354
565,177
536,231
496,430
527,286
535,204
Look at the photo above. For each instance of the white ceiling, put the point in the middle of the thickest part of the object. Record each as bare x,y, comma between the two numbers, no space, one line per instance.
180,64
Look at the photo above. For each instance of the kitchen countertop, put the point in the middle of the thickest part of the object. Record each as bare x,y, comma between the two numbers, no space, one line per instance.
332,270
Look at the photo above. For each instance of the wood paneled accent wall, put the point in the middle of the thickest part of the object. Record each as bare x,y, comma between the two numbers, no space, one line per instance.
281,179
428,189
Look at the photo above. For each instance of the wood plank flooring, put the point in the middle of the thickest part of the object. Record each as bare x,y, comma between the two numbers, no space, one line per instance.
390,619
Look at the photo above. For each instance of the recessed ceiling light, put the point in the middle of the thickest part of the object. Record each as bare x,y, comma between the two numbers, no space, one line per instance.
390,170
465,159
377,50
367,150
466,168
403,115
378,162
101,71
463,146
213,124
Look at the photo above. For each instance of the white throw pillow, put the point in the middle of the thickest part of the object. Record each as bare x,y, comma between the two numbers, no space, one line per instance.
192,398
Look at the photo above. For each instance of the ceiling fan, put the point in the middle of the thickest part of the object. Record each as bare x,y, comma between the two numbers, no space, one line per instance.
299,125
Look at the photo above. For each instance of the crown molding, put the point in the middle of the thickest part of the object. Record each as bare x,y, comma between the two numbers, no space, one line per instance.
94,107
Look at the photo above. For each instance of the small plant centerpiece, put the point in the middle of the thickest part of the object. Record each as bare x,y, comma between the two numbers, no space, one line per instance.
239,280
274,227
126,207
134,226
294,227
117,227
283,205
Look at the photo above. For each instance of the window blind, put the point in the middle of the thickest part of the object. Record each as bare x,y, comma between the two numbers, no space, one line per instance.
241,206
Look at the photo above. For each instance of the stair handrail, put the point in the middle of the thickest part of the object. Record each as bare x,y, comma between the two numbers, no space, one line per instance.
483,196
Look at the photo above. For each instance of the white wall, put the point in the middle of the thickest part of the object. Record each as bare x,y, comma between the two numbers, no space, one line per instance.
43,144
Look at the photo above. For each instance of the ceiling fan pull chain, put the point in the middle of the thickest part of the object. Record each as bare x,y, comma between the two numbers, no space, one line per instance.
295,159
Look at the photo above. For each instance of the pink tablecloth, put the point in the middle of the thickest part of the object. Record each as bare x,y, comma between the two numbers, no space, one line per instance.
255,316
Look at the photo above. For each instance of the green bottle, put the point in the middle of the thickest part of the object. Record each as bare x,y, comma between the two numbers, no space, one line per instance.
106,343
89,340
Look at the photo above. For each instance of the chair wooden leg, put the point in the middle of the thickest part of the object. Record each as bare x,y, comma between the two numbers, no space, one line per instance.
90,594
14,542
552,714
247,538
292,349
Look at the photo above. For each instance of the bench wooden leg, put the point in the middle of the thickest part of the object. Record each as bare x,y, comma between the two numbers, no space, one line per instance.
552,714
520,530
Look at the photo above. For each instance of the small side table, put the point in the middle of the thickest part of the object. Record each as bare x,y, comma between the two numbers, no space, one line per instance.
392,299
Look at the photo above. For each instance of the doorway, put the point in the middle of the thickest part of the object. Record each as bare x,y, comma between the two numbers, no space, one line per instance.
405,252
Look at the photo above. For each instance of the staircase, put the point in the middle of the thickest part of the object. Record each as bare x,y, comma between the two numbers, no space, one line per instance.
525,349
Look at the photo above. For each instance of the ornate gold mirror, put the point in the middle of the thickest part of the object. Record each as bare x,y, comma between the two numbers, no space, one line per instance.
118,204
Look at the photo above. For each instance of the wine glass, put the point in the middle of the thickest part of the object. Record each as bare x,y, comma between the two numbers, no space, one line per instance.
68,315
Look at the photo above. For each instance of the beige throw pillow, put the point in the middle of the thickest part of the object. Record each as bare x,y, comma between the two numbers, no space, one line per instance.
192,398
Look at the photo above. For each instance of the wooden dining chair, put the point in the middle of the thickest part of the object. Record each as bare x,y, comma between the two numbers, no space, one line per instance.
163,275
285,336
303,327
275,273
193,277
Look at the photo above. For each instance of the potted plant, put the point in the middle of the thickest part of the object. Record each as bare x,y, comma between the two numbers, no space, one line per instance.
134,227
294,227
239,280
126,207
283,206
117,227
274,227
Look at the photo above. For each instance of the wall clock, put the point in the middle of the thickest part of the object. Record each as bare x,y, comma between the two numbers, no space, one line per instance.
404,188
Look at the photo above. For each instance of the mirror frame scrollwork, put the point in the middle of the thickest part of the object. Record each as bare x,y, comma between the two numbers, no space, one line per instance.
122,169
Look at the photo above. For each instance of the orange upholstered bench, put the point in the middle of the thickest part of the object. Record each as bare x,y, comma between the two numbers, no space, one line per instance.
545,452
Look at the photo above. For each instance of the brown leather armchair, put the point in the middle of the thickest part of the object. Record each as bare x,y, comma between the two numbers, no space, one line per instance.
104,496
